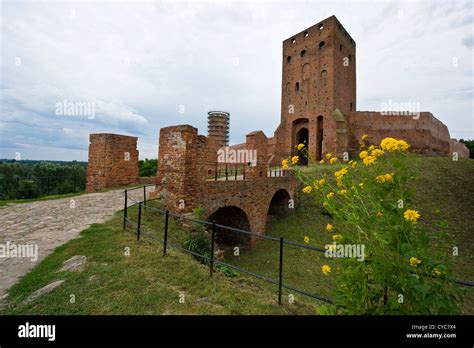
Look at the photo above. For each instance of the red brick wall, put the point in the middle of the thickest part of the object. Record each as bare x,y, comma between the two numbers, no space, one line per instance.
185,162
325,84
425,134
113,161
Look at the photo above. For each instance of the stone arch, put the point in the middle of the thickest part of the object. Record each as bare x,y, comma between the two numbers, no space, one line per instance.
279,204
235,217
302,137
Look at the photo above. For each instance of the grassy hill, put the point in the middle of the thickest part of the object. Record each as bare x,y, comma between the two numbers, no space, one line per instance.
148,283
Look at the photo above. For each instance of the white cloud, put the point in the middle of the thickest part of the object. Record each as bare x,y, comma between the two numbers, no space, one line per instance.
139,61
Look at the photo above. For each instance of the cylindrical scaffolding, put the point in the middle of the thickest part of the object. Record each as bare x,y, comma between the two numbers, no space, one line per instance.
218,127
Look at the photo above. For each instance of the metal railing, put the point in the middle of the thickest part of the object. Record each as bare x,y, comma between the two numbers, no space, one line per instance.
220,171
277,171
212,260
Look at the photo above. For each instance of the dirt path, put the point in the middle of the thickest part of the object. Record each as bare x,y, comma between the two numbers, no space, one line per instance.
49,224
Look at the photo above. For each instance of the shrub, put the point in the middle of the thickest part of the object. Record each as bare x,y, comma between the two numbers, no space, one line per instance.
28,189
198,240
403,269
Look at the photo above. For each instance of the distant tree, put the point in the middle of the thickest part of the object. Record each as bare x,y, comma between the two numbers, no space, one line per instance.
147,167
470,146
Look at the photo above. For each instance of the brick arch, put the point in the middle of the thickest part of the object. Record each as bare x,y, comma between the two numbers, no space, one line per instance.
235,217
279,204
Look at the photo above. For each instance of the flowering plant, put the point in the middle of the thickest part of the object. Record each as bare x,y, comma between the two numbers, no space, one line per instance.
403,269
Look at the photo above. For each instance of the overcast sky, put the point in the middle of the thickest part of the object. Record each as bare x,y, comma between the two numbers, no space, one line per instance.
149,64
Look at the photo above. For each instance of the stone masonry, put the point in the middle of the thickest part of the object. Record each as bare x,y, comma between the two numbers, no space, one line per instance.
318,109
318,103
113,161
186,168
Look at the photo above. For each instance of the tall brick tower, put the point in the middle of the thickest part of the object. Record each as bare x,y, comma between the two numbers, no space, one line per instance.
318,90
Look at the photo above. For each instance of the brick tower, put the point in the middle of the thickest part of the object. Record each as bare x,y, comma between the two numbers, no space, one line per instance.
318,90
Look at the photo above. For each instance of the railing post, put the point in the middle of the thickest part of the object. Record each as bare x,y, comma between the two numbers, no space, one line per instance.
215,176
226,174
165,239
211,263
280,271
125,211
139,220
144,196
235,168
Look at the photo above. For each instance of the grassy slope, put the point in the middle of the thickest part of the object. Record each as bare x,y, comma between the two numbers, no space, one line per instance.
444,191
145,282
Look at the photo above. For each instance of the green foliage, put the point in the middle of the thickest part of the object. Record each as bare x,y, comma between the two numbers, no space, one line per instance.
470,146
28,189
227,271
147,167
199,240
404,269
31,179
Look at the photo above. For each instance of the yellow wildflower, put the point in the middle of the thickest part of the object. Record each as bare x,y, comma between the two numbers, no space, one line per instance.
306,239
328,156
436,272
294,159
325,204
371,147
300,146
340,173
384,178
392,145
330,195
363,154
284,162
364,137
411,215
326,269
414,261
361,185
321,162
377,153
369,160
336,237
307,189
354,164
321,182
329,227
343,191
333,160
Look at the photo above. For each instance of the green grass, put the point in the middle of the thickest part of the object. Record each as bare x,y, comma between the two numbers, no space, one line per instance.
143,283
4,202
148,283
